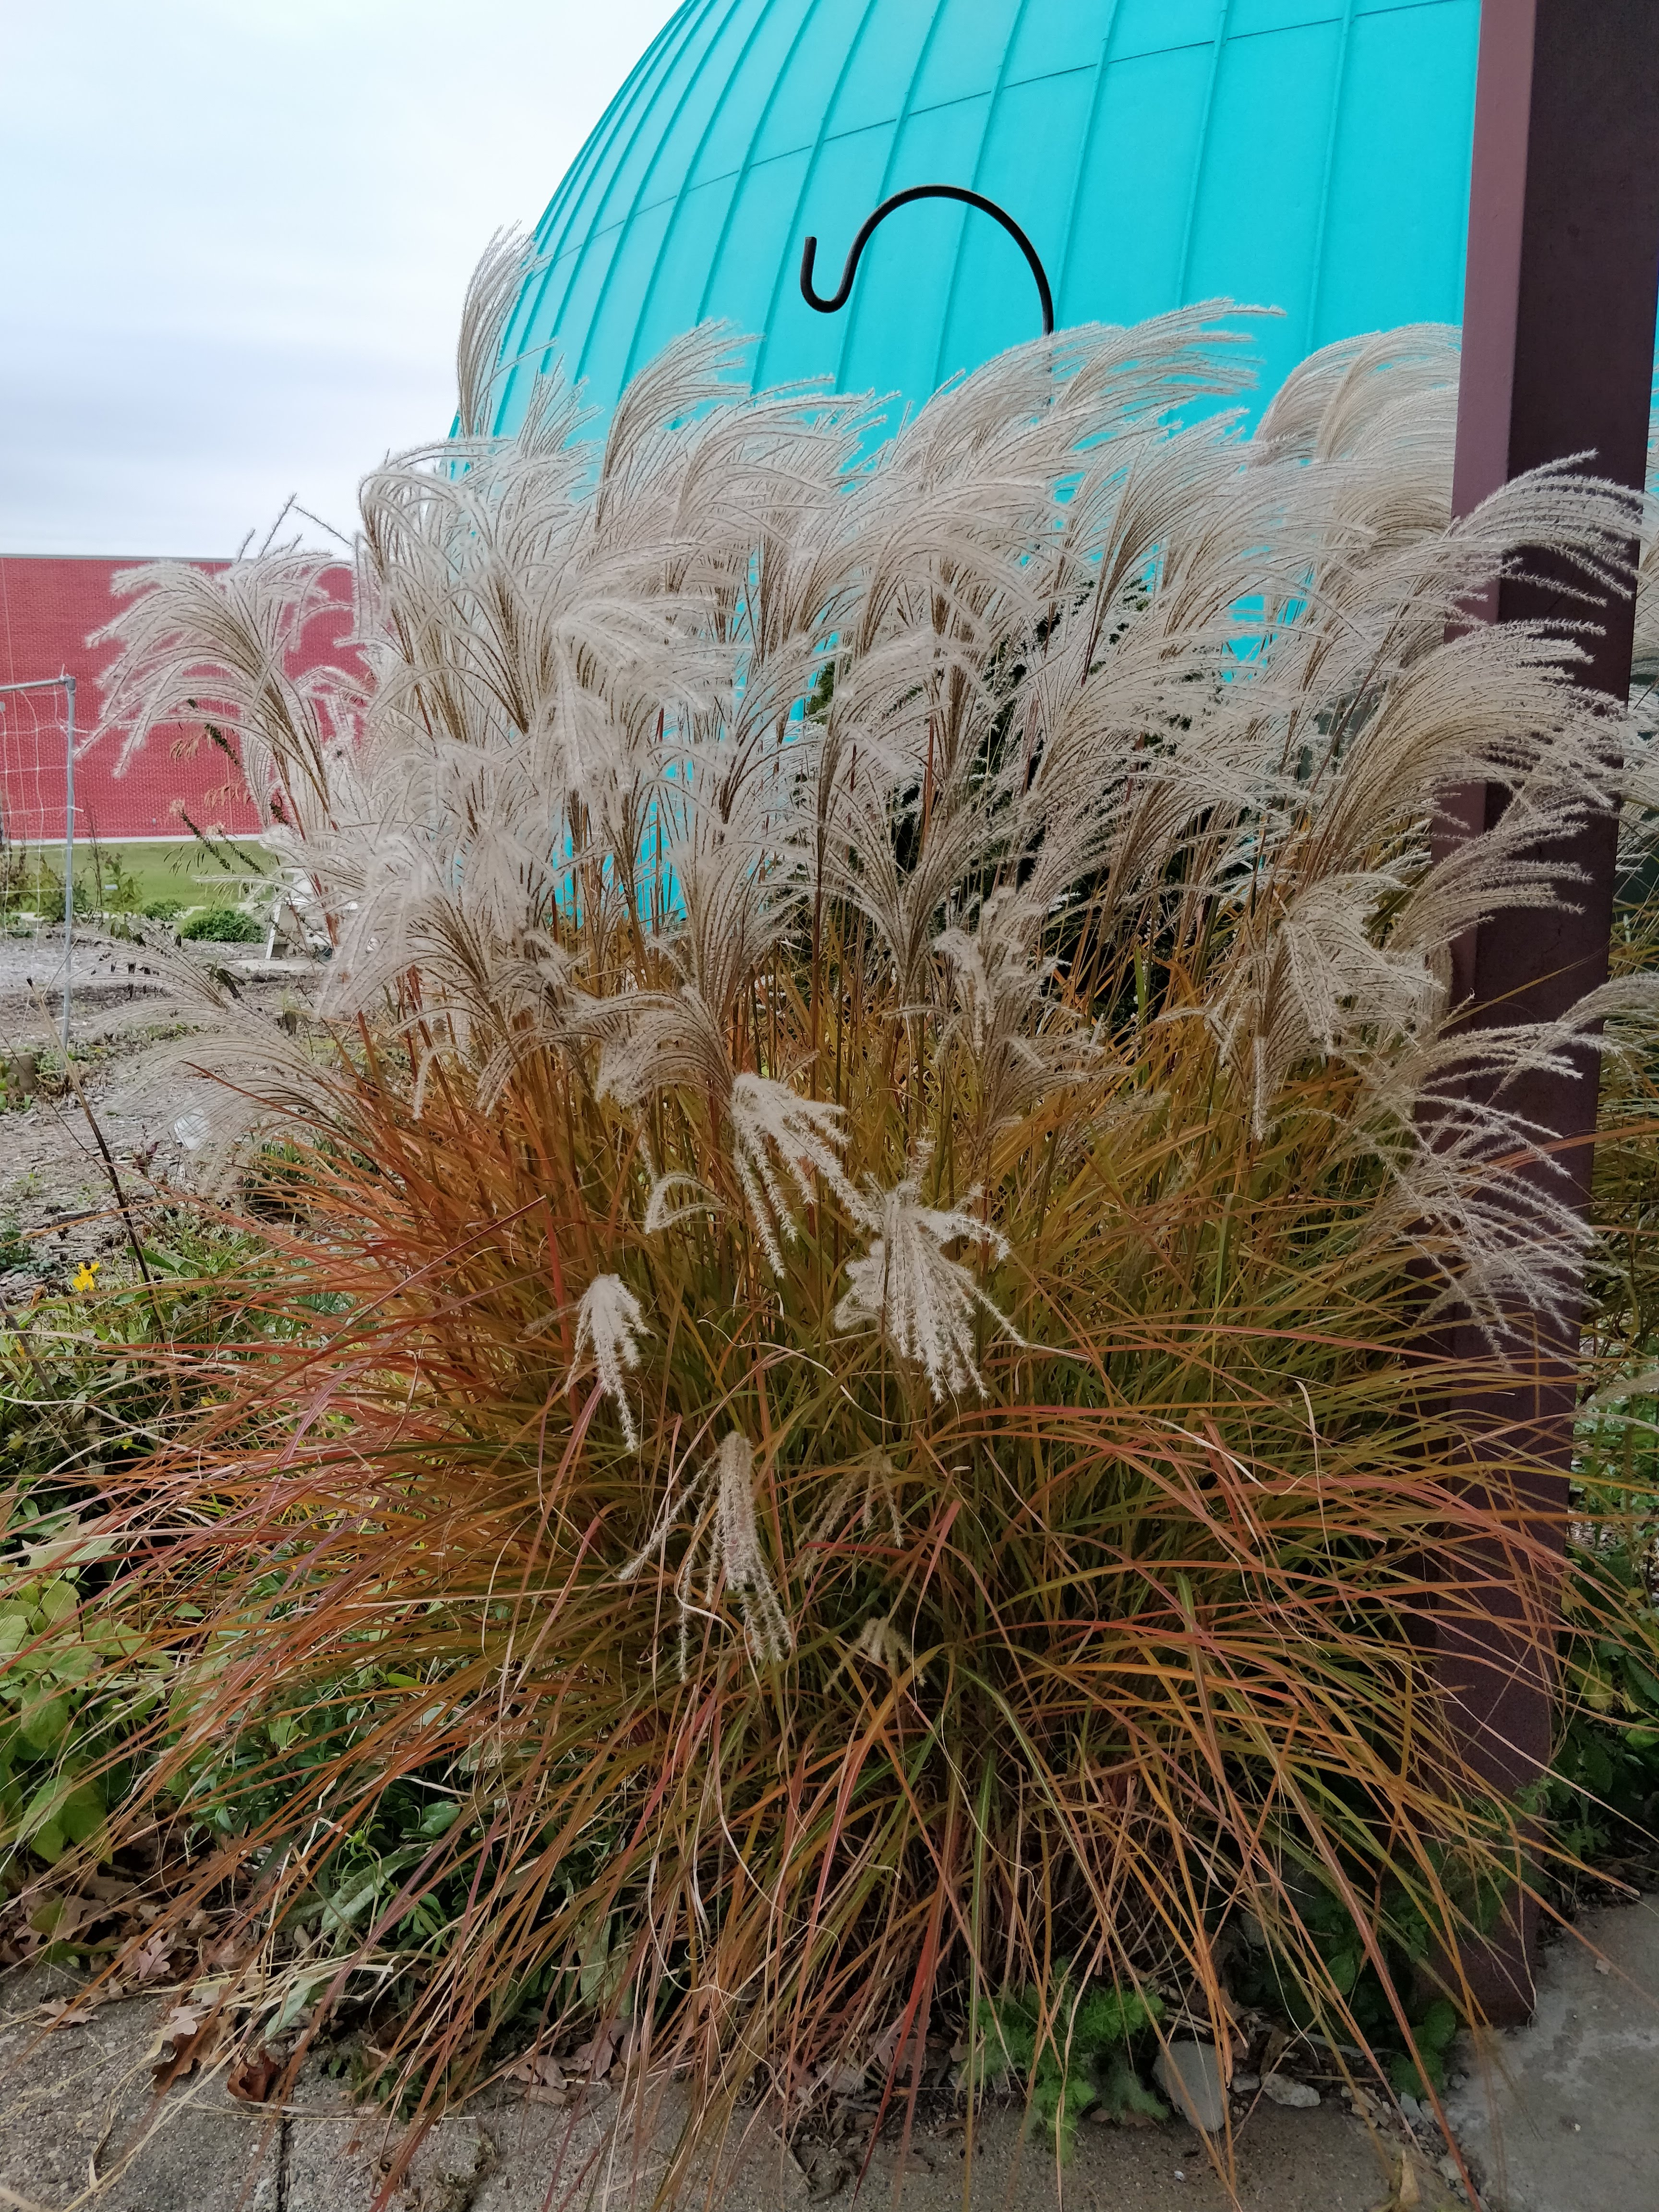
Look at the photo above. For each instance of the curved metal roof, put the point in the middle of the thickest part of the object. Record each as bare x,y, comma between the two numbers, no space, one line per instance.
1308,155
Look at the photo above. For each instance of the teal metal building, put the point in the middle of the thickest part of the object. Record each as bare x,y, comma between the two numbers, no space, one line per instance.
1311,155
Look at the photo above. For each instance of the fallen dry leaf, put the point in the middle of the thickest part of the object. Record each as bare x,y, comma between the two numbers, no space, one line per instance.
885,2055
1406,2194
183,2059
186,2038
108,1888
596,2057
182,2020
841,2080
67,2013
544,2079
57,1918
151,1960
254,2077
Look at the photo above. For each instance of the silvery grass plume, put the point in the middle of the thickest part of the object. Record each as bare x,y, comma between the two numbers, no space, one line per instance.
870,1484
922,1301
641,725
885,1645
1644,654
1023,1041
777,1134
609,1322
724,1540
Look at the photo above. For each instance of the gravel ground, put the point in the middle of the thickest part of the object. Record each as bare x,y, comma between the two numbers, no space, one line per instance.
50,1170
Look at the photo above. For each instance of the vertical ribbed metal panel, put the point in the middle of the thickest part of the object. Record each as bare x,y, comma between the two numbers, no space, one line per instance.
1310,156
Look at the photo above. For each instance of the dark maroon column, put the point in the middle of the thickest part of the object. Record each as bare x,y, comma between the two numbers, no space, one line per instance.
1558,360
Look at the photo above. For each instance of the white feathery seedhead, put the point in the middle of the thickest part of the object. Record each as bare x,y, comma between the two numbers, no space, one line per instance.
773,1129
883,1644
663,1207
998,980
871,1483
1023,1042
922,1301
737,1552
572,729
656,1041
608,1324
727,1539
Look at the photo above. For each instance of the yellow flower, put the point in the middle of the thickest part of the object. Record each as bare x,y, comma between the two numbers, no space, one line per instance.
85,1277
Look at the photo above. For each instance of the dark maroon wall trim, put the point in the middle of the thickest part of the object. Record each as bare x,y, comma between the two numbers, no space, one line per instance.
1558,360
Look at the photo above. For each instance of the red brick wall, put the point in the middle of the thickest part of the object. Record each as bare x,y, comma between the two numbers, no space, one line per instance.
49,607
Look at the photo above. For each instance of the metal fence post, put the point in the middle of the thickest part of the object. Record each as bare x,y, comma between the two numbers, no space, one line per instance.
68,854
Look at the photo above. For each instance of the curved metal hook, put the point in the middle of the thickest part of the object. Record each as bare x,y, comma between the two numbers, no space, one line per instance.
810,251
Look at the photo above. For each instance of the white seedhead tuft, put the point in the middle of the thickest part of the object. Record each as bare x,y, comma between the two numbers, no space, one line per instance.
663,1205
726,1539
609,1325
883,1644
737,1552
774,1133
1024,1042
922,1301
871,1485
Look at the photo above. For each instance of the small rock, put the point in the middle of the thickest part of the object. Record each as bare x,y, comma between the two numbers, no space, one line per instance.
1282,2089
827,2173
1189,2074
1246,2085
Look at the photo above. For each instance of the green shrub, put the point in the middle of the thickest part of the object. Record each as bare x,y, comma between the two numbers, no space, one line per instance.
1293,1971
162,909
221,925
1603,1792
1432,2035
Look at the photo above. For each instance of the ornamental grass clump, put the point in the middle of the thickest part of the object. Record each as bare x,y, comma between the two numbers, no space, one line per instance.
887,1133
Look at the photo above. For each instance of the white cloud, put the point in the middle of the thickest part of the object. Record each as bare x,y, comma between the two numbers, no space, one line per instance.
237,235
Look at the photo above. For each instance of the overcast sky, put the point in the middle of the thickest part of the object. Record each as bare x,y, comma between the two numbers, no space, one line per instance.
234,236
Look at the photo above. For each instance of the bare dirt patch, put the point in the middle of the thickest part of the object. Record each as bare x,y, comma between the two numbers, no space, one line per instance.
57,1207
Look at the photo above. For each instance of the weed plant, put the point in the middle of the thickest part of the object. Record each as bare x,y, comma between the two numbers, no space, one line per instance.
1071,2052
88,1393
845,1435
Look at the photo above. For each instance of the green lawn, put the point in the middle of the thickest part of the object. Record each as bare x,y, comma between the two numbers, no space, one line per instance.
135,874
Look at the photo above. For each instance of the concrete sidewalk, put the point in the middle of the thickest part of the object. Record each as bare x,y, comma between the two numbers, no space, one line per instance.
1560,2116
1563,2116
79,2125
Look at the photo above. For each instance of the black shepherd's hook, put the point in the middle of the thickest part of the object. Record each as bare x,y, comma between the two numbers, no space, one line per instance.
809,251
